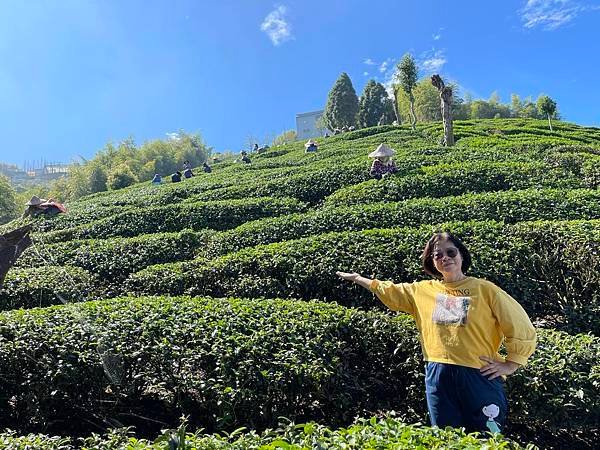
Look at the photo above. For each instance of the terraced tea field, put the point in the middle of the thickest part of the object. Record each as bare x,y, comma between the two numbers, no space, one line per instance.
216,298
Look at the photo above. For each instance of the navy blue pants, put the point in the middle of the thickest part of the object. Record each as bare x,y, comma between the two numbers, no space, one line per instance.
460,396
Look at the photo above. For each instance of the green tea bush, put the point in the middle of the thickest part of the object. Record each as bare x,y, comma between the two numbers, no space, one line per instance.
48,285
521,258
232,363
507,206
114,259
380,433
457,179
218,215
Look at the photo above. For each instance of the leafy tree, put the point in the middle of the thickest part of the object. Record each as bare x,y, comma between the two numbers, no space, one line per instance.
98,178
342,104
372,105
121,176
8,204
546,106
407,74
389,112
516,105
426,103
285,138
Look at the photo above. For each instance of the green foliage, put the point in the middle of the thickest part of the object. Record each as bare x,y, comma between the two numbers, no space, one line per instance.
114,259
305,268
407,74
382,432
47,285
342,104
232,363
218,215
284,138
506,206
546,105
426,103
458,178
8,205
121,176
373,107
119,166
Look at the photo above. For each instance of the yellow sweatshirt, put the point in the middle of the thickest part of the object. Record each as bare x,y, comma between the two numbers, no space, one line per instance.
461,321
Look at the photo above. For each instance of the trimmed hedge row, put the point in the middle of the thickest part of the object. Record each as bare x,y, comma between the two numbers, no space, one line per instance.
232,363
457,179
218,215
381,433
48,285
507,206
114,259
550,267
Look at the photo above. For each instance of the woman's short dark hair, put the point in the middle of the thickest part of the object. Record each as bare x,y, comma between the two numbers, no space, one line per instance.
427,256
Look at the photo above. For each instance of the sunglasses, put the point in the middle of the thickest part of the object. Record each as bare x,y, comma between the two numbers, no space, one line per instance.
451,252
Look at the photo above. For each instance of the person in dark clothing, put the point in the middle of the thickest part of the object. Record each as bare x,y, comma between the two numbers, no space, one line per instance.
206,168
176,177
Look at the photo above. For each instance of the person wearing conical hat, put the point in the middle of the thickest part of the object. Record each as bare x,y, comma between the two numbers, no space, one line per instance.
383,165
310,146
37,206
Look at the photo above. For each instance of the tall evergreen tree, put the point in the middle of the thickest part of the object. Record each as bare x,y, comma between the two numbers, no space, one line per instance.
342,104
372,105
407,74
546,106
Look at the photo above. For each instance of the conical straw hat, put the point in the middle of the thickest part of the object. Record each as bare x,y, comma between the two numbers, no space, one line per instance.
382,150
35,201
310,142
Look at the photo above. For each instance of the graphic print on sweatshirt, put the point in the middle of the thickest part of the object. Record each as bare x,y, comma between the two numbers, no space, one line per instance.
450,309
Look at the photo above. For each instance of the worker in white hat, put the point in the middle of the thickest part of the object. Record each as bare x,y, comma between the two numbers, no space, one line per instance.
382,163
310,146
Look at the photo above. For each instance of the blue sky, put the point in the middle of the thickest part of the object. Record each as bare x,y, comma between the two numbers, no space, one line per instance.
76,74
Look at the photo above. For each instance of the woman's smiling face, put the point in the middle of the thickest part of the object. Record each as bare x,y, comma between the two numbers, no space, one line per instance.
447,258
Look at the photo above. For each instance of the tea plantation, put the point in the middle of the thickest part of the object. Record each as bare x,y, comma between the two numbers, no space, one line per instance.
216,298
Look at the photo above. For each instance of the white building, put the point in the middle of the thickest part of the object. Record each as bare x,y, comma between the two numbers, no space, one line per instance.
307,125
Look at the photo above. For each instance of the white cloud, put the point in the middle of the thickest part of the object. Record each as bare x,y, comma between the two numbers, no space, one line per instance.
432,61
551,14
173,136
385,66
369,62
437,36
366,74
276,26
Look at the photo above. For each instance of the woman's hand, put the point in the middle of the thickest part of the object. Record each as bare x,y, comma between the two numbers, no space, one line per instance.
494,369
348,276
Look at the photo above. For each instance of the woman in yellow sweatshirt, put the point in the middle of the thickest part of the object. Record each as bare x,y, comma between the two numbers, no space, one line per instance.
462,322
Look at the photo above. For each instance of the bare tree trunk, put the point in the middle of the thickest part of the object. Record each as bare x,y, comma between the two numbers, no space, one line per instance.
11,246
396,112
446,106
549,122
412,112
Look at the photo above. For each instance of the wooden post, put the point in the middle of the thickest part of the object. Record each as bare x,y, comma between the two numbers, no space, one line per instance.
11,246
446,105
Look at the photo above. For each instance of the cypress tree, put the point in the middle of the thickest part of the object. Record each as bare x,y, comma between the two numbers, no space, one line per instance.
373,105
342,104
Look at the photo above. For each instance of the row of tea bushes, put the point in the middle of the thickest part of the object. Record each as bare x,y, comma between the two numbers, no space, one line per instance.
376,433
507,206
217,215
114,259
232,363
515,256
457,179
48,285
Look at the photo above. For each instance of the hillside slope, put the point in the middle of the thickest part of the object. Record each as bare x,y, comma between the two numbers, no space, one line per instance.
524,199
